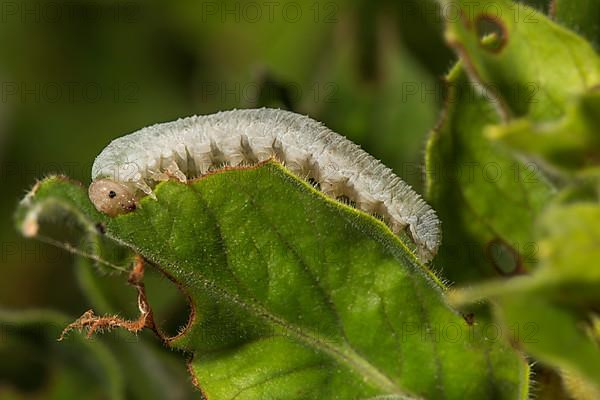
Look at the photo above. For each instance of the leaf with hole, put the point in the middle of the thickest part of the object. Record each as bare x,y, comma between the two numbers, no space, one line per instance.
559,296
479,189
297,296
529,66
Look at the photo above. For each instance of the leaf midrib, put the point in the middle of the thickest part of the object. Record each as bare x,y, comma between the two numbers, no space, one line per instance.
345,353
342,353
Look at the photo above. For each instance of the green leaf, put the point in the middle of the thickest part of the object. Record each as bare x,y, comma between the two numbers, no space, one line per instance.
60,202
552,333
479,189
582,16
34,365
568,239
388,110
572,142
150,373
297,296
556,122
530,65
558,294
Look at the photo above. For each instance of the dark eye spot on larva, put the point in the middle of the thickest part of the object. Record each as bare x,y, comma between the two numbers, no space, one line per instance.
112,198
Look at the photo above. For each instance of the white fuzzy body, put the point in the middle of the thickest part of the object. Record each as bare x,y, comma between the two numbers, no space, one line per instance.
192,146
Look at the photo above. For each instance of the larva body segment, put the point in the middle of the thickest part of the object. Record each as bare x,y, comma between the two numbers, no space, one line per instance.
193,146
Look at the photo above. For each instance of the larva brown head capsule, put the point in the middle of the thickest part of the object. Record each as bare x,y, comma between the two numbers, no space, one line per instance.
111,198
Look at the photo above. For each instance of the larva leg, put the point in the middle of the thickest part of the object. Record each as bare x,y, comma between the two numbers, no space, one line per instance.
192,169
262,148
217,156
247,151
329,188
397,227
173,170
278,152
158,176
143,186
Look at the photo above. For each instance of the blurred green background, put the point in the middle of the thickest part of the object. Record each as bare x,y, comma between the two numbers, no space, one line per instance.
77,74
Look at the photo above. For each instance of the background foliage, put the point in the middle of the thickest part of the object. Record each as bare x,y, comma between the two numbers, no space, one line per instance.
370,70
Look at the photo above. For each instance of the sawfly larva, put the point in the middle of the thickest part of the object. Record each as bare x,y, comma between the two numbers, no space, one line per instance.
191,147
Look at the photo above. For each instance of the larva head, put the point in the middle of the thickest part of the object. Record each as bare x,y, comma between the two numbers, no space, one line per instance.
112,198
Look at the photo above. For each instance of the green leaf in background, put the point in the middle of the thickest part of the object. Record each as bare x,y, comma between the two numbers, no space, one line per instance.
526,66
581,16
36,366
388,111
550,304
421,30
503,54
355,74
555,335
297,296
568,239
570,143
530,65
479,190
